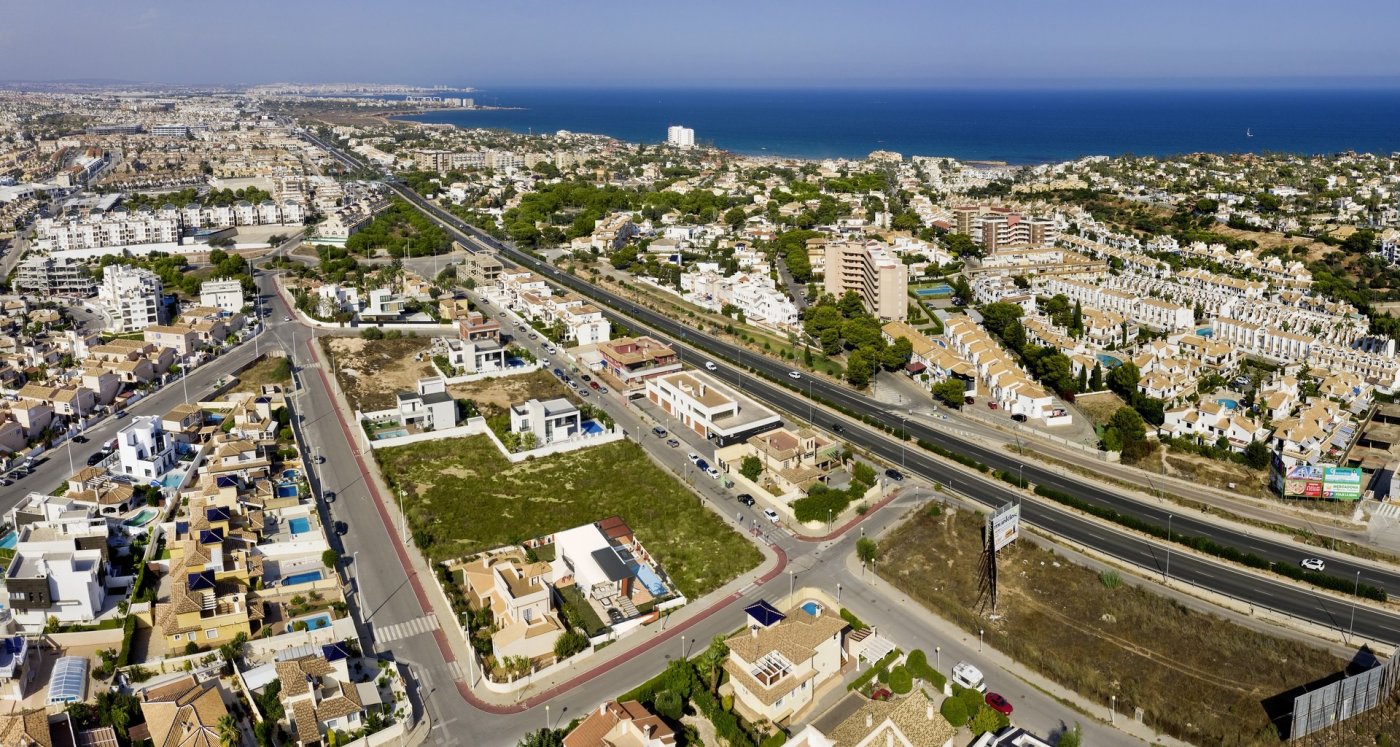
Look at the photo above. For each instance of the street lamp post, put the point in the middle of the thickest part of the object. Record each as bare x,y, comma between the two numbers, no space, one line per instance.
980,631
546,717
403,517
1356,590
1168,575
838,592
791,579
937,657
903,438
1112,709
682,646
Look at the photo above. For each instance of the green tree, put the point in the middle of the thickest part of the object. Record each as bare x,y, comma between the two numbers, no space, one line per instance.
711,663
751,467
901,681
985,720
1129,424
329,558
850,305
860,366
961,245
735,217
1256,455
1096,378
1123,380
898,353
997,316
950,392
570,643
867,550
954,711
229,734
668,704
1071,737
542,738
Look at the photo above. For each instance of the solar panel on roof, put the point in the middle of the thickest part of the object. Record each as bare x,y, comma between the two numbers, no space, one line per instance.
201,580
217,513
211,536
181,527
226,481
335,652
764,613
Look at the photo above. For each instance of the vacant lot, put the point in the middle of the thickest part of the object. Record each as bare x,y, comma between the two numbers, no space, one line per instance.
464,497
497,394
1098,407
1196,676
269,370
371,372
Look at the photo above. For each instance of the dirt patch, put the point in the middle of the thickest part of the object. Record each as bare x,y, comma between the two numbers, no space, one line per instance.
371,372
1214,473
498,394
269,370
1098,407
1196,676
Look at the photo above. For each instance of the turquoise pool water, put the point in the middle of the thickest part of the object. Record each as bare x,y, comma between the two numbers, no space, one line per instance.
300,525
287,491
302,578
313,622
290,474
942,290
811,608
1205,332
141,519
380,436
1108,361
171,480
9,541
1228,404
592,428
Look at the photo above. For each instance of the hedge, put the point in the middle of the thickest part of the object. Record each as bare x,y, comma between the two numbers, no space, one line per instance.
1211,547
917,664
870,673
954,711
852,620
962,459
128,632
901,681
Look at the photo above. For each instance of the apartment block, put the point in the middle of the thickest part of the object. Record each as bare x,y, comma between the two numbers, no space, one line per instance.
131,298
55,276
874,273
224,294
702,405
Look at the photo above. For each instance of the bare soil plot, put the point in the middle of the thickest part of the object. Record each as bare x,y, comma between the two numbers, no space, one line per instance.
371,372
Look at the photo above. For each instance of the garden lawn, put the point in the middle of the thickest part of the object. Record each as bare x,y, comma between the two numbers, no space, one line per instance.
463,497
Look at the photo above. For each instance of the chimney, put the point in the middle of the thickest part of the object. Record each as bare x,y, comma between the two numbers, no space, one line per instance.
928,712
889,739
603,708
754,629
869,720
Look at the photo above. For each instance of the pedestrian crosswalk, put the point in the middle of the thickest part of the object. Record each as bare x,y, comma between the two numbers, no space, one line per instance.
407,629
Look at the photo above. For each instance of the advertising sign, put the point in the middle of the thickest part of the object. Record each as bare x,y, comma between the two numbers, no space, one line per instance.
1006,525
1342,484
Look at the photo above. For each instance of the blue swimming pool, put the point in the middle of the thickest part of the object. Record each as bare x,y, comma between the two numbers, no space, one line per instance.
290,474
214,418
1228,404
171,480
9,541
942,290
313,622
592,428
301,578
1205,332
287,491
649,579
380,436
812,608
300,525
1108,361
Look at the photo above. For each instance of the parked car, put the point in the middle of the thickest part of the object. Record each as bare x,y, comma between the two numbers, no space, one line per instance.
559,372
894,474
286,318
838,428
710,366
702,465
693,457
602,390
80,439
991,405
96,458
712,472
615,615
771,514
969,401
673,443
594,385
746,499
341,528
583,392
1019,417
586,377
328,496
544,363
794,375
1314,564
120,414
998,704
659,431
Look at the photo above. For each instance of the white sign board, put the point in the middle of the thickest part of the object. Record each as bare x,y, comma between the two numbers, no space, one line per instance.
1005,524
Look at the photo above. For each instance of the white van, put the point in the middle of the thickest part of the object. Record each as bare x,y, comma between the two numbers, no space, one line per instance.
968,676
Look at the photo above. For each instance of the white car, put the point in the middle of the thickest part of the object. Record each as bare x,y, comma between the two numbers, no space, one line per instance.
712,472
710,366
794,375
693,457
771,514
1314,564
544,363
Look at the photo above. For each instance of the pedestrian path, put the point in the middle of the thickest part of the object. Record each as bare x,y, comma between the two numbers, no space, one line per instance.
407,629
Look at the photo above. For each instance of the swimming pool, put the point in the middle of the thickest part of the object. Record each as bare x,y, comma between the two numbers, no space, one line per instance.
9,541
651,581
142,519
1108,361
290,474
171,480
301,578
1228,404
299,525
592,428
287,491
313,622
942,290
812,608
380,436
1205,332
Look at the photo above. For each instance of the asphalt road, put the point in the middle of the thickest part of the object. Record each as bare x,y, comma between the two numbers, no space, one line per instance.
780,391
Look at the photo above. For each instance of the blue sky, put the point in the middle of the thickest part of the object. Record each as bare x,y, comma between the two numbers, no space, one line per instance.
756,43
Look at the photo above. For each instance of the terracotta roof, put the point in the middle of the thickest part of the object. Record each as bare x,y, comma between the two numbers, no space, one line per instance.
913,720
25,728
188,719
595,730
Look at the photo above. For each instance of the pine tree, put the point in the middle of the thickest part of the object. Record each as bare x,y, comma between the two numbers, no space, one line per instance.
1096,378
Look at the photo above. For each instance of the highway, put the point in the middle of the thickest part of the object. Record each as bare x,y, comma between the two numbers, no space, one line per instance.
786,394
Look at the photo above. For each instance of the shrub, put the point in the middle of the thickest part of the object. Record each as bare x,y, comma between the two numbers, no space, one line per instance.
850,617
901,681
774,740
917,664
570,643
669,705
954,711
870,673
1110,579
985,719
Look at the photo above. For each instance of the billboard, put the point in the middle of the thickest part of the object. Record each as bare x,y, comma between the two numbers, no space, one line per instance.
1330,483
1005,525
1341,484
1339,701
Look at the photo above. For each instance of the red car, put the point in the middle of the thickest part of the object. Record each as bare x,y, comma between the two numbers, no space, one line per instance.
998,704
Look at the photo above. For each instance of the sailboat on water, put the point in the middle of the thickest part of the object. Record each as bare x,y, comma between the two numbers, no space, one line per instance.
1248,132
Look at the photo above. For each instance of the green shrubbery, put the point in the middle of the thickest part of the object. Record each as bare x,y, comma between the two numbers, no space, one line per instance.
901,681
917,664
871,673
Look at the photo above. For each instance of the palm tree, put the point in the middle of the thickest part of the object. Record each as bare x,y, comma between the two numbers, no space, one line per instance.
229,733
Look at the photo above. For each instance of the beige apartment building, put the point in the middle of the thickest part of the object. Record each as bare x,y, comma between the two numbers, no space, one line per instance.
873,272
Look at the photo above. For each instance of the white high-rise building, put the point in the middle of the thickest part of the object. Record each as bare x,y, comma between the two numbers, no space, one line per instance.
130,298
681,137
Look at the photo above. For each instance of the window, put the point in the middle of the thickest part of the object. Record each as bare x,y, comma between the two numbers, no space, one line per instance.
778,704
179,636
211,633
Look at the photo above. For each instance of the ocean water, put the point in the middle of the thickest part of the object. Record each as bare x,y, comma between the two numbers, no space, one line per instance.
1015,126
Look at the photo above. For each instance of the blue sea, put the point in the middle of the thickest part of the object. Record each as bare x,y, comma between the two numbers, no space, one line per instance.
1015,126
